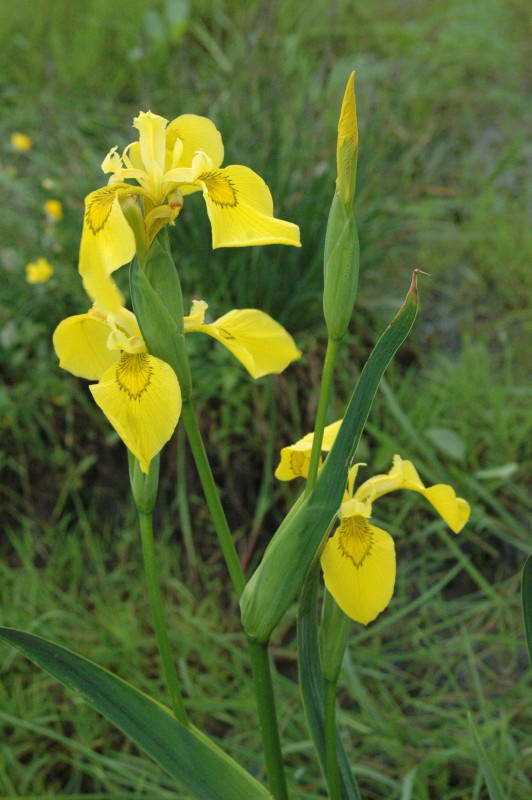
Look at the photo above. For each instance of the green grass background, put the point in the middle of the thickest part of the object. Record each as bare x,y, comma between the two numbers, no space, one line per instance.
442,186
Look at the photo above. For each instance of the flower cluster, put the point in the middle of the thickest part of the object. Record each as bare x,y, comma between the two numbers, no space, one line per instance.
139,393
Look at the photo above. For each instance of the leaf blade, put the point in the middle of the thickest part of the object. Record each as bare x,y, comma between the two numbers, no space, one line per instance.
183,751
526,590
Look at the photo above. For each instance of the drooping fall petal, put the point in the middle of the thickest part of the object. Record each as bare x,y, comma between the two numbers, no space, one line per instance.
107,242
295,458
454,510
358,565
260,343
240,209
141,398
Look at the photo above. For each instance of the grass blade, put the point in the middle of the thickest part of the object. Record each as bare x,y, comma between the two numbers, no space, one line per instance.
491,780
183,751
527,603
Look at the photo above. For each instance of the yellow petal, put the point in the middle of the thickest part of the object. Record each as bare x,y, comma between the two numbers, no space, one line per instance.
81,346
403,475
21,141
107,242
39,271
294,463
152,141
240,208
358,565
140,397
258,341
347,143
296,466
195,133
54,210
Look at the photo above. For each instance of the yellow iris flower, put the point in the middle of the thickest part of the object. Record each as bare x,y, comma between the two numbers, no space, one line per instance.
358,561
168,162
21,141
138,393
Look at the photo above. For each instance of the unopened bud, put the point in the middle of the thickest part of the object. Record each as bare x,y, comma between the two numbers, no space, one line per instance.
347,145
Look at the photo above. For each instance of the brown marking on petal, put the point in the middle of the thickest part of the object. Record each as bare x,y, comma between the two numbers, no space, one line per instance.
99,206
355,539
133,374
225,333
221,189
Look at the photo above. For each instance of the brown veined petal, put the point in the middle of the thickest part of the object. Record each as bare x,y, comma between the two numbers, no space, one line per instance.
240,209
260,343
358,565
107,242
141,398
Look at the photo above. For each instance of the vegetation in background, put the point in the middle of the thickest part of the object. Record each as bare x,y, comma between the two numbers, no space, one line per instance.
441,186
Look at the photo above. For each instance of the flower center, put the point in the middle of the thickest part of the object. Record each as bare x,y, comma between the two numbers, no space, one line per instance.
133,374
355,539
221,189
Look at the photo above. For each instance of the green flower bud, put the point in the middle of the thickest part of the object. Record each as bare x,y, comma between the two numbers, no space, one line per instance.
341,265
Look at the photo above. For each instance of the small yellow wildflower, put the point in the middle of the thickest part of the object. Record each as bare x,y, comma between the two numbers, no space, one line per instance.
21,142
54,210
39,271
358,561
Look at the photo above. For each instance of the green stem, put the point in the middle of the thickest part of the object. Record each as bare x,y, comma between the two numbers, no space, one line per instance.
321,413
331,761
258,653
154,592
260,664
182,503
212,497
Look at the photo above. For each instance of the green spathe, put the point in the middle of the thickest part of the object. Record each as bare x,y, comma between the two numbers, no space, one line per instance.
341,267
276,582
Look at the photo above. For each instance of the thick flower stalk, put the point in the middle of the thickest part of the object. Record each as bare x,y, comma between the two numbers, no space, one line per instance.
168,162
358,561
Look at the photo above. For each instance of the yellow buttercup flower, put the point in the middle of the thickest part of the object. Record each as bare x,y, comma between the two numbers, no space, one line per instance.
54,210
168,162
39,271
260,343
358,561
138,393
21,142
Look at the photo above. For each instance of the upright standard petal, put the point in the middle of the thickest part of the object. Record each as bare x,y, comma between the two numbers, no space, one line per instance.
358,565
81,345
194,133
140,397
260,343
152,141
107,242
240,209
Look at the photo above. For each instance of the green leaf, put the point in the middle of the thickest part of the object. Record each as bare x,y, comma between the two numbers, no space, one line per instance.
311,682
183,751
280,575
527,603
491,780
